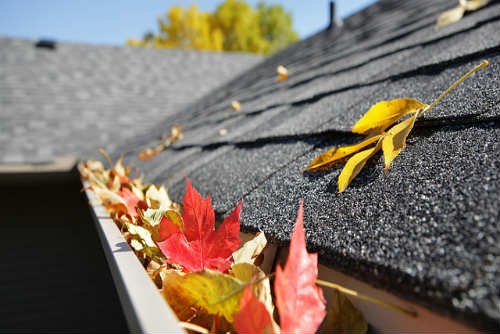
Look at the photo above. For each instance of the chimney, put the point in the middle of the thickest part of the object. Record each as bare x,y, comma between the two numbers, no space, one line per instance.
334,22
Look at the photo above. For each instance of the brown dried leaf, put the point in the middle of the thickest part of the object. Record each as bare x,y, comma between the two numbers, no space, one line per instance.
251,249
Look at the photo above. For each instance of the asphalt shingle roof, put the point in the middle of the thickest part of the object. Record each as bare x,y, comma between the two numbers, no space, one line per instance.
76,98
428,229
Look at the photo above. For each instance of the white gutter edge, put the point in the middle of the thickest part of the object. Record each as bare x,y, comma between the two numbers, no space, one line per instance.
145,309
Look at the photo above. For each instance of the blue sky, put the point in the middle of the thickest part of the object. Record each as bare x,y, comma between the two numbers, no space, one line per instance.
112,21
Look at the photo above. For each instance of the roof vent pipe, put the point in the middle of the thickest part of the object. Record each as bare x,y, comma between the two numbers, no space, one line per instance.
334,22
46,44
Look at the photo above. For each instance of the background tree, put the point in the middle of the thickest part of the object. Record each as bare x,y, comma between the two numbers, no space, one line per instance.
234,26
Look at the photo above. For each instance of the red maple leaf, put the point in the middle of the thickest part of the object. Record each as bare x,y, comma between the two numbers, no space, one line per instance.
199,246
167,228
132,201
253,316
300,302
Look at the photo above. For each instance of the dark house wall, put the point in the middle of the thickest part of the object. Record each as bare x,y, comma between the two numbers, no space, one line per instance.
53,273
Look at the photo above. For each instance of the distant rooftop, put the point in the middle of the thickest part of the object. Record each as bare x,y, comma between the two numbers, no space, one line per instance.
75,98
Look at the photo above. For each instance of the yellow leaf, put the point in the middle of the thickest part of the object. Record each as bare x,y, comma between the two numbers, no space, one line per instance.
184,308
108,197
175,218
455,14
136,244
136,190
335,155
282,72
157,270
246,272
236,105
175,133
94,172
385,113
343,317
142,240
472,5
141,234
450,16
114,184
95,166
119,168
373,123
151,219
157,198
205,289
354,165
250,250
395,140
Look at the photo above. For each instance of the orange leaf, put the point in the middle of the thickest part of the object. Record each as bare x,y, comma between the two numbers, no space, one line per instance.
253,316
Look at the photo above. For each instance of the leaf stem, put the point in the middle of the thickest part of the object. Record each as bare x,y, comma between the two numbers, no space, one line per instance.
366,298
107,157
242,287
477,68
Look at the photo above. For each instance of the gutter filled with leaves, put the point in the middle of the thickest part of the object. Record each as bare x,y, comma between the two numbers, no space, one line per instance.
210,282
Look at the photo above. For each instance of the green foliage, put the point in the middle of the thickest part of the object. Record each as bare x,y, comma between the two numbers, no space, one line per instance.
234,26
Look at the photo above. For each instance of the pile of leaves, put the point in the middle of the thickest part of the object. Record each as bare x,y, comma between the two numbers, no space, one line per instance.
213,283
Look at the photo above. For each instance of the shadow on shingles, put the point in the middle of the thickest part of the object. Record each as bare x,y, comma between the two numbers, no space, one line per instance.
429,129
318,140
430,69
328,139
367,175
423,70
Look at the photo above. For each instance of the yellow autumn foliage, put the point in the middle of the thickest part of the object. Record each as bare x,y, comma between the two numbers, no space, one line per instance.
234,26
